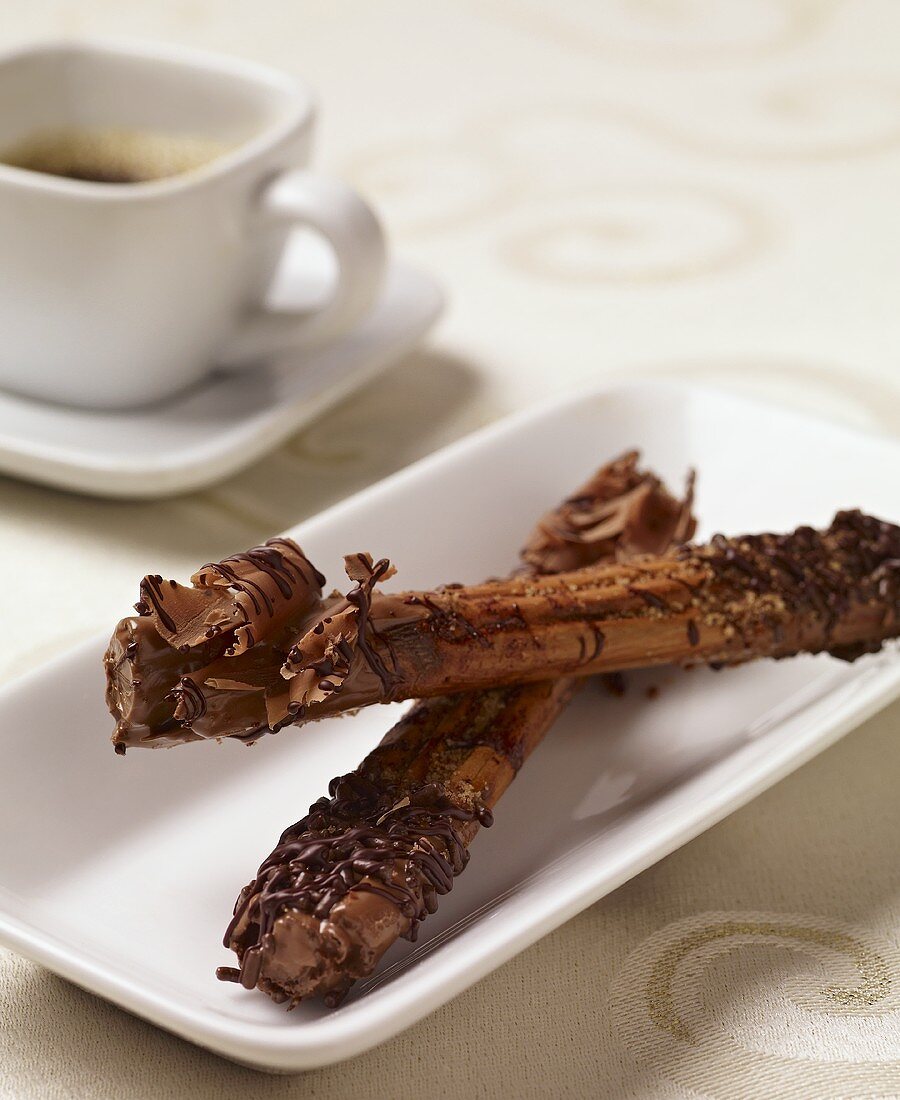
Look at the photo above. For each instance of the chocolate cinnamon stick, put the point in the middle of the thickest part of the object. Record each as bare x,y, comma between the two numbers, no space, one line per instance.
726,602
729,601
368,864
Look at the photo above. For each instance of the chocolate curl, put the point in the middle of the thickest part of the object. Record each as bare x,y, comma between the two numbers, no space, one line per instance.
243,599
200,662
642,518
230,694
320,662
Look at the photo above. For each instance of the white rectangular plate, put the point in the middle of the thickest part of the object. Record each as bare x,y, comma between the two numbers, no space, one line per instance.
120,874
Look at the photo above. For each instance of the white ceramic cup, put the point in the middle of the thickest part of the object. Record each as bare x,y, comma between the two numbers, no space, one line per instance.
117,294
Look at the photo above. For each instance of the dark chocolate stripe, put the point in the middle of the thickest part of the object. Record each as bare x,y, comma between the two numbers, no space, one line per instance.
152,598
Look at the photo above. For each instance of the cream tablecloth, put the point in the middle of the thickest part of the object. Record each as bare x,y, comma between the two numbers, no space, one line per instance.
703,188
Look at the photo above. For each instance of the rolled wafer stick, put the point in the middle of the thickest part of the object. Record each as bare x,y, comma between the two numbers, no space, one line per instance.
732,600
368,864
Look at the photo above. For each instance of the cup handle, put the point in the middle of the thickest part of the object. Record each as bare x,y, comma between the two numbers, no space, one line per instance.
298,198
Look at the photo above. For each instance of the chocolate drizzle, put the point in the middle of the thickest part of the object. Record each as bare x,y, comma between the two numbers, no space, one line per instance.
649,598
190,703
274,561
360,597
243,599
152,600
853,562
401,845
599,642
274,558
343,641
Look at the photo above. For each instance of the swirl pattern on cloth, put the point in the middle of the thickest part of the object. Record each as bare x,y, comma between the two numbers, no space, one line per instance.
634,234
742,1003
677,33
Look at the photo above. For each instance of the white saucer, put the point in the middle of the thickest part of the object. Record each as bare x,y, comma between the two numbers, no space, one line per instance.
213,429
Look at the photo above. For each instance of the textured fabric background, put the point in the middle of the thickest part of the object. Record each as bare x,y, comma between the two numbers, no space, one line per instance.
703,188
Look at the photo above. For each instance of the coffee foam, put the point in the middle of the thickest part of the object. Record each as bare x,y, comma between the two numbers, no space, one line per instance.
112,155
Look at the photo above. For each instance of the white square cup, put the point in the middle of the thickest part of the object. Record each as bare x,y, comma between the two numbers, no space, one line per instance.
117,294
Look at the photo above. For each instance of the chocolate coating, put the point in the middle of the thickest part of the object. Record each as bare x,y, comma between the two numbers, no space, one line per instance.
369,837
201,662
245,598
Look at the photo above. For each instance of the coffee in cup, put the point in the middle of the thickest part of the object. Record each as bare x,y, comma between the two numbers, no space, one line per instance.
108,155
